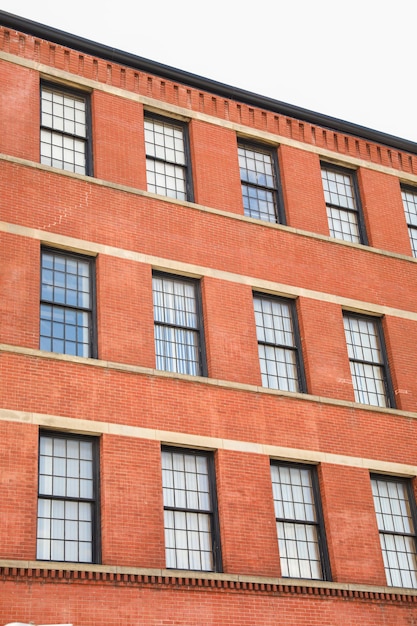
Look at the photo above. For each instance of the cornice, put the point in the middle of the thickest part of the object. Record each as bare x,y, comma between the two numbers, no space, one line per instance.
230,92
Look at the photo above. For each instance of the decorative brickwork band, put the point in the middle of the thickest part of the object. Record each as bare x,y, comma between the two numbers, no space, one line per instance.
23,574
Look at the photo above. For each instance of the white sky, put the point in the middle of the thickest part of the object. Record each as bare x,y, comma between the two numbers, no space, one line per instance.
350,59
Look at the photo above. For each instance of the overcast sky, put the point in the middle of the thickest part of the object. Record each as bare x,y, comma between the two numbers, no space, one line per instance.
354,60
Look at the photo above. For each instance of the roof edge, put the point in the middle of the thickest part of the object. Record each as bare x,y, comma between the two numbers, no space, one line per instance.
115,55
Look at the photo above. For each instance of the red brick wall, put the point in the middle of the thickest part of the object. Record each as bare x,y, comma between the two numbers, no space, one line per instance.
125,311
215,167
131,491
118,140
247,520
19,111
18,490
88,603
132,518
304,203
19,283
350,522
324,349
230,332
384,212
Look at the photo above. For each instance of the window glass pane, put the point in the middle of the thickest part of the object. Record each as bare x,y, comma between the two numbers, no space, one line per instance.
188,534
342,209
166,165
397,531
297,522
64,145
177,335
278,352
65,288
259,189
367,363
65,523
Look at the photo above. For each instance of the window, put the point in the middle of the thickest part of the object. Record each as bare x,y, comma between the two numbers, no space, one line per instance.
67,500
300,530
66,304
178,334
190,511
368,363
342,201
65,129
167,158
409,196
278,343
259,178
396,517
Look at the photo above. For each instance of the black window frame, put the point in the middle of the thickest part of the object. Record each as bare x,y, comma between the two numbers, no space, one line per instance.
187,167
275,190
384,365
94,501
296,348
196,283
407,482
412,228
318,524
352,174
92,310
88,142
213,514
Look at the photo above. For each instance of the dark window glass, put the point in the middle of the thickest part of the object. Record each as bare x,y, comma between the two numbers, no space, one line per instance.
66,303
368,365
64,129
395,513
409,197
167,158
259,179
190,513
279,351
177,325
67,515
300,530
342,201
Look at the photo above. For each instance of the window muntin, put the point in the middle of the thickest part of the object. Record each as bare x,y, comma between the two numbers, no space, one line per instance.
300,529
342,202
368,366
67,515
167,158
409,197
66,303
64,129
278,343
395,513
259,175
178,336
190,513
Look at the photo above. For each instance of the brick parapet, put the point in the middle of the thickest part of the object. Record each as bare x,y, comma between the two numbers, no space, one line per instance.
129,79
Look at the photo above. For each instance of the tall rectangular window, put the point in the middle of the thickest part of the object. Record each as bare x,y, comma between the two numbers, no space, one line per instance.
65,129
278,343
167,158
66,310
396,517
409,196
259,178
178,325
343,205
190,511
368,363
300,529
67,500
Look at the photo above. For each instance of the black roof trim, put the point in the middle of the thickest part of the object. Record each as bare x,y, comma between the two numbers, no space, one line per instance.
199,82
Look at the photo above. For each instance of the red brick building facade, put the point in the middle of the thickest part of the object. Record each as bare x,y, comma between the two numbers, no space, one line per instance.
208,332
